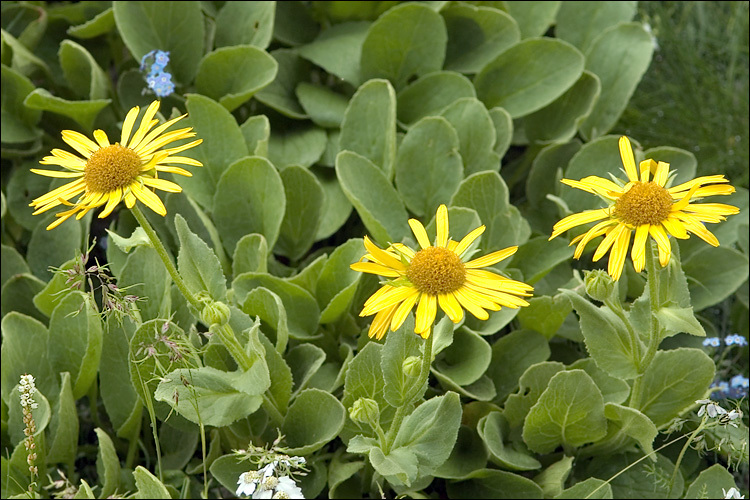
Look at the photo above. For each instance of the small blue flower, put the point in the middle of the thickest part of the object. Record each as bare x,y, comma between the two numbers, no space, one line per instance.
740,381
161,58
735,339
712,341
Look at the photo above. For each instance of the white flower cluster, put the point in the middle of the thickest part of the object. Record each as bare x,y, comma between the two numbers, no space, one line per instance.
732,493
27,389
263,483
713,410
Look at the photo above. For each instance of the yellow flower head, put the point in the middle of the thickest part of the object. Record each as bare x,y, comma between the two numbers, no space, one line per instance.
648,207
434,275
109,173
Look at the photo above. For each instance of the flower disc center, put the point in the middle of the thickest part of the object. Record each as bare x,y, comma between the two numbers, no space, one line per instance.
644,203
436,270
111,168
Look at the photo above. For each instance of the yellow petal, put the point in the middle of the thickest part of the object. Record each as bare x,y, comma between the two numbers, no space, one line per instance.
626,153
403,309
419,231
162,184
662,240
646,166
608,241
470,306
578,219
699,181
491,258
468,240
619,252
394,296
442,226
80,143
381,322
426,311
113,198
374,268
639,247
148,198
56,173
596,231
127,125
383,257
675,227
662,173
450,305
101,138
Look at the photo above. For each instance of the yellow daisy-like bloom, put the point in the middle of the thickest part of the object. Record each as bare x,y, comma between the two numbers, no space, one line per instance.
648,207
109,173
434,275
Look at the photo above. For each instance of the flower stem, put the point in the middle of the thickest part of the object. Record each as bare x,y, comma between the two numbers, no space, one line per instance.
159,247
682,453
424,373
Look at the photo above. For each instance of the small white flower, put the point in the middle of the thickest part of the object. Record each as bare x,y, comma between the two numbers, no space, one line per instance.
730,417
710,408
287,488
248,482
732,493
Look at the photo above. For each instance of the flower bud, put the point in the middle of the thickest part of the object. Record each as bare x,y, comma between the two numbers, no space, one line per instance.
411,366
365,411
600,286
215,313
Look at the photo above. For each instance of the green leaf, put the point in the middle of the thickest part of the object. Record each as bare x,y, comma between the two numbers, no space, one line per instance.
232,75
280,94
712,482
678,320
630,483
430,431
213,397
299,146
24,350
627,424
493,483
148,485
304,203
250,255
257,130
531,385
399,467
600,157
313,419
18,121
63,442
251,187
265,304
51,248
82,112
304,322
13,264
622,42
714,274
82,72
533,18
614,390
580,22
338,282
364,379
145,273
107,463
672,383
428,165
120,399
431,93
487,194
546,169
325,107
476,134
304,360
539,256
493,429
512,355
294,24
16,426
170,26
84,491
100,24
399,346
23,60
407,40
503,123
336,207
373,196
468,455
529,75
607,339
552,479
476,35
545,314
223,144
369,125
570,412
198,264
682,163
75,341
18,294
245,23
466,359
588,488
338,49
559,121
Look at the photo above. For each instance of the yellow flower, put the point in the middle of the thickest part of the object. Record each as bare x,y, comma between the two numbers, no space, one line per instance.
435,275
109,173
647,207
